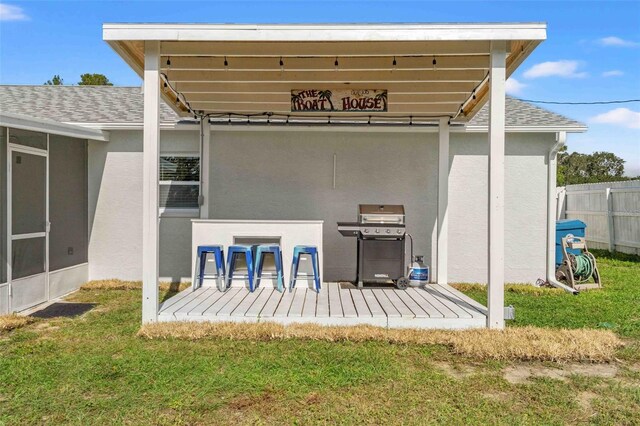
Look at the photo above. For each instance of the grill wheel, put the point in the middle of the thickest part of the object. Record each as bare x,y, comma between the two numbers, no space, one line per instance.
402,283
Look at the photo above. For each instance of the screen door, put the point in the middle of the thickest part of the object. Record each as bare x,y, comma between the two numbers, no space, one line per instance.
28,226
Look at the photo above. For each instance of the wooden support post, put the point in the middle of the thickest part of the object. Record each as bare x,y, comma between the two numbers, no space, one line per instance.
443,200
150,177
495,305
610,224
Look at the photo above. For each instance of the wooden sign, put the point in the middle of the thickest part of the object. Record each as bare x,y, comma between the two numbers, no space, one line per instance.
340,100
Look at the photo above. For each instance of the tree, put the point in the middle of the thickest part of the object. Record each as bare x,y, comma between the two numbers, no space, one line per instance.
56,80
94,80
600,166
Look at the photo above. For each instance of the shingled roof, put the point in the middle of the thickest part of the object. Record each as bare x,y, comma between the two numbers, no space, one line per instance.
124,105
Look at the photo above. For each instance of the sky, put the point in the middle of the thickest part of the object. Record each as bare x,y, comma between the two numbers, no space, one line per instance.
592,51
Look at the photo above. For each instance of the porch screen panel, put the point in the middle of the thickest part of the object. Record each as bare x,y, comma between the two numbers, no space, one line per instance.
3,208
28,138
68,203
29,178
27,257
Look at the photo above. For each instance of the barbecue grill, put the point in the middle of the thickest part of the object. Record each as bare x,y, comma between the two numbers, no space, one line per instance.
380,231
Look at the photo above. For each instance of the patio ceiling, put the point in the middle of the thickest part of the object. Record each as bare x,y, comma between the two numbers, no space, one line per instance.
428,70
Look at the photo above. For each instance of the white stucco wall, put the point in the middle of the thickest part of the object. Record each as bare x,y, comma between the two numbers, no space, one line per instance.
288,175
115,209
525,207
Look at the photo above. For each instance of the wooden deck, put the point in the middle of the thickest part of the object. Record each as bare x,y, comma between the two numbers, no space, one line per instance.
435,306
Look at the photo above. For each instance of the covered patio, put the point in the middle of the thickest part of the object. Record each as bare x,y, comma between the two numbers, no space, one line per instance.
430,78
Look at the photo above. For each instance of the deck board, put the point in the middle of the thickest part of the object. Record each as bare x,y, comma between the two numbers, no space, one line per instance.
298,302
346,301
310,303
243,307
322,305
436,306
226,297
404,311
195,301
361,305
388,308
206,304
260,302
233,303
372,303
417,310
271,304
284,305
335,304
440,298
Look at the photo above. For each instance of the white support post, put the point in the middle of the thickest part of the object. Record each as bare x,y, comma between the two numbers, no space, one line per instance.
610,224
205,153
443,200
495,318
150,170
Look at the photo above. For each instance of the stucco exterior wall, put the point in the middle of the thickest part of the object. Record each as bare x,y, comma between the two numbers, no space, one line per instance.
115,209
289,175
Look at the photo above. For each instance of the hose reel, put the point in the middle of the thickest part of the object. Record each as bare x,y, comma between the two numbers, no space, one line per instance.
578,267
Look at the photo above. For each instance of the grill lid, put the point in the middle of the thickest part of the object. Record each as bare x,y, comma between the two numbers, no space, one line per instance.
381,213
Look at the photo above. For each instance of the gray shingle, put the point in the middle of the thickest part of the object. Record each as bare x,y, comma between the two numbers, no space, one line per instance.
79,104
524,114
113,104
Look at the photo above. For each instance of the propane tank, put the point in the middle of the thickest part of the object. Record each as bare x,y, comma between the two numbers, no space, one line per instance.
418,272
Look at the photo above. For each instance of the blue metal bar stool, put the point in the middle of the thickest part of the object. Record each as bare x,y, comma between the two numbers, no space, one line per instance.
313,252
218,256
277,256
232,253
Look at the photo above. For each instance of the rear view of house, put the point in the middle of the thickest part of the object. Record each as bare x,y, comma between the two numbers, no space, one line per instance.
73,158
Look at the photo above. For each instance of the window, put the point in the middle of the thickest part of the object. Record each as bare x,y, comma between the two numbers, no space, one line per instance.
179,182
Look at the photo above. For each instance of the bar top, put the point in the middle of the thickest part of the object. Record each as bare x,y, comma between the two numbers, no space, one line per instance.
292,222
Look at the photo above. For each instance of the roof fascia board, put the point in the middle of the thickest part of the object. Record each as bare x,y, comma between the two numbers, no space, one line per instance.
53,127
356,127
530,129
321,33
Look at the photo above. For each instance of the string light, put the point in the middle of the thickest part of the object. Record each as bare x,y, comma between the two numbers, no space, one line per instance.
335,64
434,63
226,64
473,94
169,61
394,63
281,64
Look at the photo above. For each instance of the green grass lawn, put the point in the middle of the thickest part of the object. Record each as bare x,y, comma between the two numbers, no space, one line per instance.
94,370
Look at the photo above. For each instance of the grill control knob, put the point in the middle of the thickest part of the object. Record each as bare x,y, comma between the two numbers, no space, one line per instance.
388,231
377,231
366,231
399,231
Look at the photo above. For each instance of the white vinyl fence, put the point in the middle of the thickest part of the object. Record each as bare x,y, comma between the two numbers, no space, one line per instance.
610,210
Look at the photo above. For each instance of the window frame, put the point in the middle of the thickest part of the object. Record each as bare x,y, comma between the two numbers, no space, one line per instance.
186,212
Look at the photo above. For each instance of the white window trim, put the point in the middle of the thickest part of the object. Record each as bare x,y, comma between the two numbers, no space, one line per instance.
180,212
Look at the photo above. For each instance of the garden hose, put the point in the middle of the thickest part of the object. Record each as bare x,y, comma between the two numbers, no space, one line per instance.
583,266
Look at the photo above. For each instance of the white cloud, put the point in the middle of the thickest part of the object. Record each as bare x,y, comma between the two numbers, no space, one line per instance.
12,13
620,116
617,41
612,73
514,87
563,68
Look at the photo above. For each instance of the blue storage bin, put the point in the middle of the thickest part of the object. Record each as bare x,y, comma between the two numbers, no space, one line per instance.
565,227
